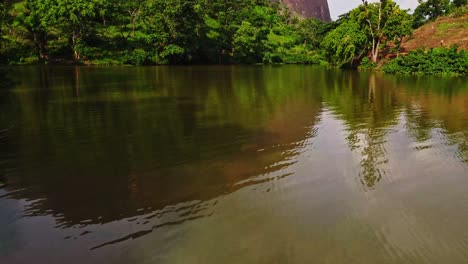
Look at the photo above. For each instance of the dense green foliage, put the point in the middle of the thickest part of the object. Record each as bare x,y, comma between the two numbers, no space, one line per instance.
434,61
365,31
345,44
146,32
157,32
193,31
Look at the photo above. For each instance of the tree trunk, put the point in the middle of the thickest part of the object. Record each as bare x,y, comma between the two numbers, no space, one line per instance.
36,43
76,53
134,15
375,51
39,43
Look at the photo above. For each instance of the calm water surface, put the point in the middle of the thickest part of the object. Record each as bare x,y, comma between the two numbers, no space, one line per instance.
288,164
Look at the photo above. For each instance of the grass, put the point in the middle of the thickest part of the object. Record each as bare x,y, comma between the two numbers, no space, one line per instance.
443,29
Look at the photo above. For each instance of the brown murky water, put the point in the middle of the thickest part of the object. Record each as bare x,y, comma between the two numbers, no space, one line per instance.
288,164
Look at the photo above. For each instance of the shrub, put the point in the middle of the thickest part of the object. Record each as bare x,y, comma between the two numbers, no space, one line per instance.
438,61
367,64
461,11
172,54
137,57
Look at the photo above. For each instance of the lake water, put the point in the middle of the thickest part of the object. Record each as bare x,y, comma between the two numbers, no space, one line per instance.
290,164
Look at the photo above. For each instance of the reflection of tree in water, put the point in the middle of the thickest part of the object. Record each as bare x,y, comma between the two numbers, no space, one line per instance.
7,120
141,140
373,157
5,99
5,80
373,151
418,123
436,112
112,153
9,228
369,107
461,141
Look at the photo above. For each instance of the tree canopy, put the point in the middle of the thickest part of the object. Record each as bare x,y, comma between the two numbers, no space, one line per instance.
144,32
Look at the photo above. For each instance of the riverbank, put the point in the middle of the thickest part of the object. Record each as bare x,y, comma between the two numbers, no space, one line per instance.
260,33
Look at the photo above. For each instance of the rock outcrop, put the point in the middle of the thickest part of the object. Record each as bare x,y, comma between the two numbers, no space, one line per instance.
310,8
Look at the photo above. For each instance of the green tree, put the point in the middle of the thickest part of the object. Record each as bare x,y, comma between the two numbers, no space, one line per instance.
28,15
429,10
223,19
75,19
311,31
5,6
381,21
129,13
250,43
176,27
133,8
367,29
346,43
5,18
229,22
399,25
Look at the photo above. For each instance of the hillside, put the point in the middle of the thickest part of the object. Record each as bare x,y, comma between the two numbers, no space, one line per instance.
445,32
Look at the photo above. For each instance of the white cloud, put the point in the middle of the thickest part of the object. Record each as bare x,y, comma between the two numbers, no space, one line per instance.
338,7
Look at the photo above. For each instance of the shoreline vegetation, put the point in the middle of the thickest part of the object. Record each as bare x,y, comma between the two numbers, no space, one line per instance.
190,32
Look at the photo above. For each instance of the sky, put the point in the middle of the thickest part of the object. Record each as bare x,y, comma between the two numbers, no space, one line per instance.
338,7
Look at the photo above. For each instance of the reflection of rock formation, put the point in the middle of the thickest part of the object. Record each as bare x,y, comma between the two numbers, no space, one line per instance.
310,8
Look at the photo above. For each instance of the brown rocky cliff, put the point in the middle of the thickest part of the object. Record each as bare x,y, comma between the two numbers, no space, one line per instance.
310,8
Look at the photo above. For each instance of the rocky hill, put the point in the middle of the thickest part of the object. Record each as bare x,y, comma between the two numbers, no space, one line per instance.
310,8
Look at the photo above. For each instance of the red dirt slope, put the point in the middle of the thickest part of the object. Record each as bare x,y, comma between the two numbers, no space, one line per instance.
445,32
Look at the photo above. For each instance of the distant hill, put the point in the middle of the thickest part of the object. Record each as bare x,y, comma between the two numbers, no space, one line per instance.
310,8
444,32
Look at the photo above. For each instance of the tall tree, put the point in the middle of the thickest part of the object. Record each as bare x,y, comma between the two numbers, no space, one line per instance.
367,29
223,19
132,11
176,27
346,43
31,18
74,18
5,6
381,21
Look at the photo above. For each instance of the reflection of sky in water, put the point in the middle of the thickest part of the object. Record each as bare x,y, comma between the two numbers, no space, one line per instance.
303,219
10,212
